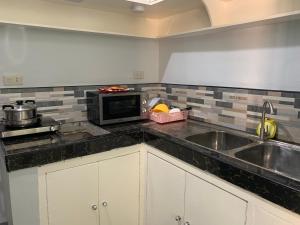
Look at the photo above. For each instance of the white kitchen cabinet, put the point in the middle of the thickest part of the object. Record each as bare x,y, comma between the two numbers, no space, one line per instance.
267,217
207,204
71,192
119,190
208,200
105,193
165,192
73,196
153,183
172,192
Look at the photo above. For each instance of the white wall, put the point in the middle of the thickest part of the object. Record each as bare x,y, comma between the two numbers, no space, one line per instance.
55,58
67,15
3,217
60,58
262,57
236,11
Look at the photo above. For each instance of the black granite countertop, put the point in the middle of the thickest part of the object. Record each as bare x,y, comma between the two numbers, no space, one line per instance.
73,140
77,140
177,132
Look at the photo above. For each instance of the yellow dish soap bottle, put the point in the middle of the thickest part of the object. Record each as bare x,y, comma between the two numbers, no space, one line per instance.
270,127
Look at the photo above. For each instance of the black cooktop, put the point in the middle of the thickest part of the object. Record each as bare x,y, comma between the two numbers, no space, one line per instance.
67,134
45,124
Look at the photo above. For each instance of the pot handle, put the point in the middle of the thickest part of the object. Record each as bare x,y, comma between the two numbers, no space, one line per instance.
7,106
19,102
30,101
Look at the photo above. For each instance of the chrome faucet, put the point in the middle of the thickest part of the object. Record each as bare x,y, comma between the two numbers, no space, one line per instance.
263,131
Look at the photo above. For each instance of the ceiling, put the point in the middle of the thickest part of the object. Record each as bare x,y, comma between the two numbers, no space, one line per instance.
163,9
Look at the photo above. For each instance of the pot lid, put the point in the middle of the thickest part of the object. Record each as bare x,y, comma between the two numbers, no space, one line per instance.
20,105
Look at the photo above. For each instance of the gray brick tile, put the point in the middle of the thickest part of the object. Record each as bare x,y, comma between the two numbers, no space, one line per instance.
79,93
286,103
211,89
82,101
297,103
210,95
169,90
25,90
195,100
218,95
172,97
193,87
290,94
49,103
257,92
253,116
255,108
224,104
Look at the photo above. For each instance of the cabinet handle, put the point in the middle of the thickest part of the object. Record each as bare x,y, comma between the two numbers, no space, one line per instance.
187,223
94,207
178,218
104,204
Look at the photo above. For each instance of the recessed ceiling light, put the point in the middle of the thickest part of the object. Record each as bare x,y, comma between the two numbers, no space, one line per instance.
136,7
146,2
75,1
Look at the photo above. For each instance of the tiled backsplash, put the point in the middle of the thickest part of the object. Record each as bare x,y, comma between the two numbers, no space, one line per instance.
65,104
239,108
231,107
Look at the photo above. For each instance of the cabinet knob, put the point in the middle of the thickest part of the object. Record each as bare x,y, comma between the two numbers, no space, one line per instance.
178,218
187,223
52,128
104,204
94,207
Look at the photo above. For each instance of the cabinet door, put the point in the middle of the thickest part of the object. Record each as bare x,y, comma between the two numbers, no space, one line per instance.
263,217
119,190
71,194
165,192
206,204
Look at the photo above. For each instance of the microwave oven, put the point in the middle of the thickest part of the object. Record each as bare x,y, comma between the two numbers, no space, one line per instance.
103,109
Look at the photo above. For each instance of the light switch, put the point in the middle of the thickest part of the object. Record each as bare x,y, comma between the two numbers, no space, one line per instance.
138,75
13,80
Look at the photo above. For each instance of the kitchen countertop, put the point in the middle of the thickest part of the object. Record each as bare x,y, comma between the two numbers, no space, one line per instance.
177,132
79,139
74,140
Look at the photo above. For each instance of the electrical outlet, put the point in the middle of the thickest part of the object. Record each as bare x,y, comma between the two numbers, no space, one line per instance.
138,75
13,80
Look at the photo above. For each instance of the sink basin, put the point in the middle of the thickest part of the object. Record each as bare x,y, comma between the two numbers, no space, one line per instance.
219,140
279,158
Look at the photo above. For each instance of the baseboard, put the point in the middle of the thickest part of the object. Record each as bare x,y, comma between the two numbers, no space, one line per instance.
4,223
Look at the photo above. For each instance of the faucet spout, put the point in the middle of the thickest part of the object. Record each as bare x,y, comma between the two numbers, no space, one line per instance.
271,107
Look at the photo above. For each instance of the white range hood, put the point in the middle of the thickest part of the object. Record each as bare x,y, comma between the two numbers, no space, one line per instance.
146,2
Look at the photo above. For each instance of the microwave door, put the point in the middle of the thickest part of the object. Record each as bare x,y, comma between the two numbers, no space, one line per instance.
121,108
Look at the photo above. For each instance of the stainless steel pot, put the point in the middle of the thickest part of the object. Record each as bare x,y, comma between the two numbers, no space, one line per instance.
21,114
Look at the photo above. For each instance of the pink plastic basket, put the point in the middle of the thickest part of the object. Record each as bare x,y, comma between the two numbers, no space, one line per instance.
169,117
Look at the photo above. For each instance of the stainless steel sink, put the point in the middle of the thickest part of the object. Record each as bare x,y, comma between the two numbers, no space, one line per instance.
219,140
280,158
